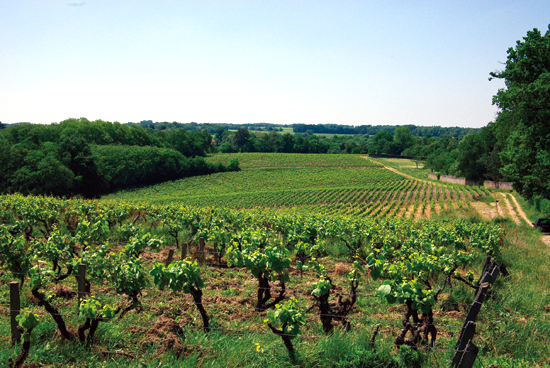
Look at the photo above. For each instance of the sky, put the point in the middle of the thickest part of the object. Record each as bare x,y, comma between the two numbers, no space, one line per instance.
282,62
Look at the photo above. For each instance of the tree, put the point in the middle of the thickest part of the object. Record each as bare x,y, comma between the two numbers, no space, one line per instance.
525,112
286,143
403,138
242,139
383,143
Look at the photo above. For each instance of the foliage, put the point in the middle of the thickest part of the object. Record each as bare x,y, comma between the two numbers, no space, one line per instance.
524,116
93,308
27,320
178,276
87,158
289,317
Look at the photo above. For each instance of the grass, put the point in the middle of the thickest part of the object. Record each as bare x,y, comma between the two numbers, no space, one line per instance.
406,166
292,160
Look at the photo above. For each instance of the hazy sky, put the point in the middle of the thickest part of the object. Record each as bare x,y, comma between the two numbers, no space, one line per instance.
282,62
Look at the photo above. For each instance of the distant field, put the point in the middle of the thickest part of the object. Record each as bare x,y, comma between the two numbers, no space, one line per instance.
348,185
293,160
291,131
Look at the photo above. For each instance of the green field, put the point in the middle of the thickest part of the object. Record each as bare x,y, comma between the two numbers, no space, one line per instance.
349,185
293,160
321,233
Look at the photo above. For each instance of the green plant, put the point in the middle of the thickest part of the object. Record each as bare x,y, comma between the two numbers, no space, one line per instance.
285,321
94,311
27,321
182,276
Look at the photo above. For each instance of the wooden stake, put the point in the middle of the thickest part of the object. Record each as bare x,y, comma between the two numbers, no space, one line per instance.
170,256
183,251
201,256
81,283
15,306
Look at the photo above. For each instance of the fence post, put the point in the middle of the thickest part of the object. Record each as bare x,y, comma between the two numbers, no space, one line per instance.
466,335
201,256
81,284
183,251
476,305
469,357
15,306
170,256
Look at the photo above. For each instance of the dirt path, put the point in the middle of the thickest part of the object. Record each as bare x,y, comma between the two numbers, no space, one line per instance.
402,210
428,211
520,210
394,170
510,209
544,238
418,213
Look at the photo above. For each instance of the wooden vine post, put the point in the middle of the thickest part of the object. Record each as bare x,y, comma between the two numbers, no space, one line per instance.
170,256
15,306
81,284
183,251
201,256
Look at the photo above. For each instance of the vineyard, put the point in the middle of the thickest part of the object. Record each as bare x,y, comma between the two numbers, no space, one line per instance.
344,185
273,270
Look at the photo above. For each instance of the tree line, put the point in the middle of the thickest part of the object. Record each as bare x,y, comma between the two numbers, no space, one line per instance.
421,131
90,158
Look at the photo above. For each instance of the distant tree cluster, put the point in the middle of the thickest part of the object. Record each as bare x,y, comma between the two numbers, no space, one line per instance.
420,131
210,128
89,158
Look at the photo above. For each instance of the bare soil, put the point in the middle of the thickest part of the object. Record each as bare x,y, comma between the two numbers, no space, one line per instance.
408,213
484,210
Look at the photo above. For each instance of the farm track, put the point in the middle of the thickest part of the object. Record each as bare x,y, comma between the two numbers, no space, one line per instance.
544,238
511,211
520,210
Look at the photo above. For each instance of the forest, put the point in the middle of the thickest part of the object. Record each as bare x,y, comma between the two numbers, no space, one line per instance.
79,157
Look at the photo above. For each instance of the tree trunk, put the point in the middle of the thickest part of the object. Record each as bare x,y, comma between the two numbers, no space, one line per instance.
24,353
286,340
197,297
54,313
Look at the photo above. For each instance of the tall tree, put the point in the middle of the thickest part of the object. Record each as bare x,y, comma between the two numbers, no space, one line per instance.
525,112
242,139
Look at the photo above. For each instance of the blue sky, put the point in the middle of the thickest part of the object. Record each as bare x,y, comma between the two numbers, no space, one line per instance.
282,62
